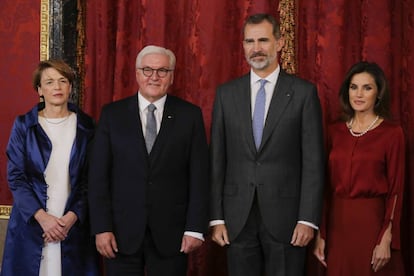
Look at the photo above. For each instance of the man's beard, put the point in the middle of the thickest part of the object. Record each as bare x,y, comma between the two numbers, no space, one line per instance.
260,65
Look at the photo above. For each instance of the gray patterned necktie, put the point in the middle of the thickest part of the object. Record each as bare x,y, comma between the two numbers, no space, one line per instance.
151,128
259,114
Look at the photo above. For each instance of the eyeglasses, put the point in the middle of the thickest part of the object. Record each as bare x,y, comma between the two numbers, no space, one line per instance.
161,72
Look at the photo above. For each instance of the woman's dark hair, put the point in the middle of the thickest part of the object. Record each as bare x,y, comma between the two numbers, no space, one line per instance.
382,104
57,64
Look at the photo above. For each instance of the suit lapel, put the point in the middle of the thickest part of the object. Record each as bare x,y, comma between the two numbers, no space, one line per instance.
242,100
280,99
134,120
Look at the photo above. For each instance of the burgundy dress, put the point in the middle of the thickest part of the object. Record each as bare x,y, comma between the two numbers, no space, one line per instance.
366,176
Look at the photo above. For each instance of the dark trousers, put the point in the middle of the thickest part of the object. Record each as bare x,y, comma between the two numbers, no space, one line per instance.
256,252
147,262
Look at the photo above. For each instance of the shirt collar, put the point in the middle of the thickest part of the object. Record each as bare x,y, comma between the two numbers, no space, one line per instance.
143,103
272,77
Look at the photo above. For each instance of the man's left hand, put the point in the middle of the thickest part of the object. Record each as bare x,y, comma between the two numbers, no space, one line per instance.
190,244
302,235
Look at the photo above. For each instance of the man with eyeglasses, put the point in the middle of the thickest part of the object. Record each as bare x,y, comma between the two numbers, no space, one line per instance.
148,176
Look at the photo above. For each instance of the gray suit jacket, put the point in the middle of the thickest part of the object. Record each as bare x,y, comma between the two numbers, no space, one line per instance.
286,172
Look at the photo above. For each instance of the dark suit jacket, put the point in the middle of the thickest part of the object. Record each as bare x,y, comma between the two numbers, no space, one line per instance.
166,190
287,171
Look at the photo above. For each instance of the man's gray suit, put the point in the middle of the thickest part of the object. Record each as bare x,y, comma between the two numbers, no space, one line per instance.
286,172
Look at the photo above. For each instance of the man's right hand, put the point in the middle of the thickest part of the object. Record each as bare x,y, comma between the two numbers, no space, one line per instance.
106,244
219,235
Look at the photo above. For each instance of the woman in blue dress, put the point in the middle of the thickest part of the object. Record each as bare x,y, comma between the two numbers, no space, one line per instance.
48,231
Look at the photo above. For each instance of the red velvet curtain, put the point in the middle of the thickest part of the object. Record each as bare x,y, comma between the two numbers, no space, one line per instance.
206,37
334,34
19,55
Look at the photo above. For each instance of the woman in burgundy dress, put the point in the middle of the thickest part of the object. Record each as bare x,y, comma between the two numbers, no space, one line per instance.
360,232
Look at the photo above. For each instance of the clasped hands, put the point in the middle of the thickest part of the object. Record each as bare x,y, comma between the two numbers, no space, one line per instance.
55,229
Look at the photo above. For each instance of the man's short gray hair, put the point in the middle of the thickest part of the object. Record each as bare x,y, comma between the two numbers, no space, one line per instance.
152,49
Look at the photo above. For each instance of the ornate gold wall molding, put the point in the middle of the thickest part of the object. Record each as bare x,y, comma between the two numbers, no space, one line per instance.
62,36
5,211
287,11
44,29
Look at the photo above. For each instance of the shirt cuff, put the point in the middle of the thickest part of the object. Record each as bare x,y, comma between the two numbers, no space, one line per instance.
194,235
309,224
216,222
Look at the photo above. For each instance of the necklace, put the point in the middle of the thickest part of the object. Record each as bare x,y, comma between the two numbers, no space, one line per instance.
365,131
53,121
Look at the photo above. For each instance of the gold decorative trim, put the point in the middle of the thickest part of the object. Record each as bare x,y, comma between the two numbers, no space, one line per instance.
287,28
44,29
5,211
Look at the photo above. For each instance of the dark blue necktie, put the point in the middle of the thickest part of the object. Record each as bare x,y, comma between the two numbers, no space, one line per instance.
259,114
151,128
